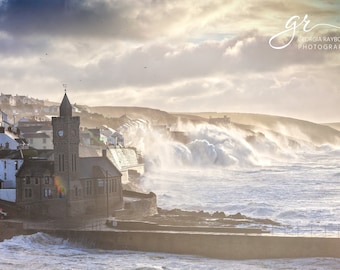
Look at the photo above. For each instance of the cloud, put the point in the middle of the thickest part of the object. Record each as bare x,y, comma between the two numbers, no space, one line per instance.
172,55
142,20
132,20
160,64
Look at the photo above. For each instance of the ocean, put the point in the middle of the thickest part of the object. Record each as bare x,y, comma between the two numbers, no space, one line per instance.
290,180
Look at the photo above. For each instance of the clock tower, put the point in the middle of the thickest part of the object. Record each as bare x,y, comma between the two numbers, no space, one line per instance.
66,153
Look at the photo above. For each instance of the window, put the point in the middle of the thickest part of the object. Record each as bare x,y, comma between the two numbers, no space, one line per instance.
110,188
47,180
74,162
16,165
61,162
5,164
37,181
28,180
28,193
114,185
100,188
88,188
47,193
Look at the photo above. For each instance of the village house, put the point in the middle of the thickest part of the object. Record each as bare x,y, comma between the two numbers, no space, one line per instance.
37,133
10,162
39,140
10,139
7,99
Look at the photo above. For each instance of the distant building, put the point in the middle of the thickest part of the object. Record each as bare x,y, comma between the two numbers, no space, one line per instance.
225,120
110,136
7,100
31,126
51,109
22,100
10,139
91,136
39,140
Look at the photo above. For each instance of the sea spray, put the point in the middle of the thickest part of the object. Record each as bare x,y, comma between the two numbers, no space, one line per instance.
254,170
212,145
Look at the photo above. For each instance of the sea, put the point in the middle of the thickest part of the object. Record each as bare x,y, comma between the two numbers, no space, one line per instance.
262,174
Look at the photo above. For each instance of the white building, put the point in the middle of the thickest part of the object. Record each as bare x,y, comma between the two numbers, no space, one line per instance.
39,140
109,136
9,140
10,162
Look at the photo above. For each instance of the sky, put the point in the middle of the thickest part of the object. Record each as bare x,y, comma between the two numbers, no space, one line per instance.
177,56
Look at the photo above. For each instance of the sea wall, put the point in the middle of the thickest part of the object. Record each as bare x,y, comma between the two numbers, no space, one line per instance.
224,246
8,229
137,205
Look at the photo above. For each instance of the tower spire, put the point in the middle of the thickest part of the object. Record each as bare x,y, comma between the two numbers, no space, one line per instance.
65,108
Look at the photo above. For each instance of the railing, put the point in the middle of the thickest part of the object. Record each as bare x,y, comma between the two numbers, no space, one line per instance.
81,225
311,230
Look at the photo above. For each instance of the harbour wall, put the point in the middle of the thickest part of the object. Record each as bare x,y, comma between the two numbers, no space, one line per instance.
214,245
8,229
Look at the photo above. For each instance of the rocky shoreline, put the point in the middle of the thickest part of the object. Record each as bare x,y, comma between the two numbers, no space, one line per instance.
175,218
178,217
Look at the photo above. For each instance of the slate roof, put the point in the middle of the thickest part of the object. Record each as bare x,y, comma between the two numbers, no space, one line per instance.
38,153
36,135
36,167
11,154
96,167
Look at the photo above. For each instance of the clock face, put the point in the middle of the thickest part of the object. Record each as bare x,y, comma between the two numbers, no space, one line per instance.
60,133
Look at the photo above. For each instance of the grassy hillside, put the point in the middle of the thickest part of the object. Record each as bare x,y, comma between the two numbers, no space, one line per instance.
317,133
333,125
294,128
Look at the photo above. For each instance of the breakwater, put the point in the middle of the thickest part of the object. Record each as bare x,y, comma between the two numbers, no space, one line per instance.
8,229
214,245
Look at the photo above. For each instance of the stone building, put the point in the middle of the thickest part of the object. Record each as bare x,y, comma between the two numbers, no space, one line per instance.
69,186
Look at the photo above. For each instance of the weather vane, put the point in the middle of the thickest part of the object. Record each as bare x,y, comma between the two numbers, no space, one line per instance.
65,87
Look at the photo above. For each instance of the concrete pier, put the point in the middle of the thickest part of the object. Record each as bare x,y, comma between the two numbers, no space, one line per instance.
214,245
